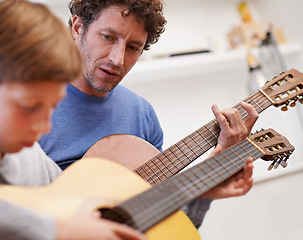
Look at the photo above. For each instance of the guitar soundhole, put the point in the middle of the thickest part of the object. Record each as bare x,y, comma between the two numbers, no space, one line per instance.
117,215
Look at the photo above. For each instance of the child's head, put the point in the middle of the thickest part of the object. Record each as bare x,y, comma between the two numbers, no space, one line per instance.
35,45
37,58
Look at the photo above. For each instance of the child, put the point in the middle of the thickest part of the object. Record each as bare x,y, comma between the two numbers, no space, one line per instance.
38,57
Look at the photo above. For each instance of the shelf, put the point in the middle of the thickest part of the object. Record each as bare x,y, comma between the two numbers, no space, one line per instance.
202,64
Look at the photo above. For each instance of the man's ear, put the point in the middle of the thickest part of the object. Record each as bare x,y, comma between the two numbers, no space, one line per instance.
77,27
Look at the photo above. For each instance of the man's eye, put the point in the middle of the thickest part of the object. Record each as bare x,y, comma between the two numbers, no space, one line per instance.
107,37
135,49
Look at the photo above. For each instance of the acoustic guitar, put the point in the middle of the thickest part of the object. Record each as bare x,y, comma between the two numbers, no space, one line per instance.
283,90
121,195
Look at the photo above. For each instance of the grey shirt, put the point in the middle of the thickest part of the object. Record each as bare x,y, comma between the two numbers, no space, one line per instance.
29,167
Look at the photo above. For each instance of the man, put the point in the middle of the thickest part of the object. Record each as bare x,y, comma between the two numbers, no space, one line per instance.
111,36
35,65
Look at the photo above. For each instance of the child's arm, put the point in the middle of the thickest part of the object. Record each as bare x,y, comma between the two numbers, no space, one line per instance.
19,223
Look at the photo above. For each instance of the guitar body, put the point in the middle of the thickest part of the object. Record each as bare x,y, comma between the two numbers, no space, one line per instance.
128,150
83,187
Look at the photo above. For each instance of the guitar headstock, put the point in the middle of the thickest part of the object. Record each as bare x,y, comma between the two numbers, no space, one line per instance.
275,147
285,89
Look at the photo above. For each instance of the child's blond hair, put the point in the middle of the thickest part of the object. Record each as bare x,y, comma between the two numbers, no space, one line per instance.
35,45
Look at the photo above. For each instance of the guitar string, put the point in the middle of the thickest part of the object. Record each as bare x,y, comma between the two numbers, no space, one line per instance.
160,173
180,161
250,99
209,175
168,200
193,185
218,131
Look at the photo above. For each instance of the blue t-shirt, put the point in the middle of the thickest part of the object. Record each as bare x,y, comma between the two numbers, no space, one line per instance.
81,120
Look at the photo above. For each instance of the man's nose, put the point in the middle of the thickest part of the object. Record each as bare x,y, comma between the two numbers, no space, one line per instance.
117,55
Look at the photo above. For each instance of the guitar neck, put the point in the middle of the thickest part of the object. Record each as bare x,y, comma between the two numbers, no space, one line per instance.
178,156
160,201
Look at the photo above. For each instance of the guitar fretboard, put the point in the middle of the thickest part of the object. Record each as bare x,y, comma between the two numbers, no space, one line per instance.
178,156
162,200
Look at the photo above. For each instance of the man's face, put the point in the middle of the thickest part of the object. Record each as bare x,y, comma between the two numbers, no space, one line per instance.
26,111
110,47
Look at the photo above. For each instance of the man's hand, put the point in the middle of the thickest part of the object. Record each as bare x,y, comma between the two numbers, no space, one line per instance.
233,128
235,186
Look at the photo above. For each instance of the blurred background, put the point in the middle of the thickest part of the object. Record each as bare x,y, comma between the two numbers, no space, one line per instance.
202,59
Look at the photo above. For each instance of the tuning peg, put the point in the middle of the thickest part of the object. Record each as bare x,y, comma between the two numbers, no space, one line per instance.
284,163
284,109
293,103
271,166
277,164
301,100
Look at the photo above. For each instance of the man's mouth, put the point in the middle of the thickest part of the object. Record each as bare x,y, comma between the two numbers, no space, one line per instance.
114,73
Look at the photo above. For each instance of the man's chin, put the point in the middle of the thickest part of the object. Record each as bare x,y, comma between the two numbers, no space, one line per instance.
103,89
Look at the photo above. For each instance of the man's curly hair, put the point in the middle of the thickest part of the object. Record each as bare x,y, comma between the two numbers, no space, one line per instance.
150,11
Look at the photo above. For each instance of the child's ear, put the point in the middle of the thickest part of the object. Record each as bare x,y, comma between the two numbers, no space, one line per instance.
77,27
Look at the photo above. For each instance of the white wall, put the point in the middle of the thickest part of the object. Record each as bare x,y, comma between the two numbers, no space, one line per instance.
183,102
272,209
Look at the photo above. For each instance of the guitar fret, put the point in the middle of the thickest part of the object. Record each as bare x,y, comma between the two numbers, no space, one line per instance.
149,176
265,102
216,136
192,182
214,157
198,144
205,138
190,148
199,166
266,96
181,179
159,158
138,172
159,169
178,160
172,162
216,123
203,184
248,152
254,99
182,152
155,173
211,166
235,153
256,104
231,161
